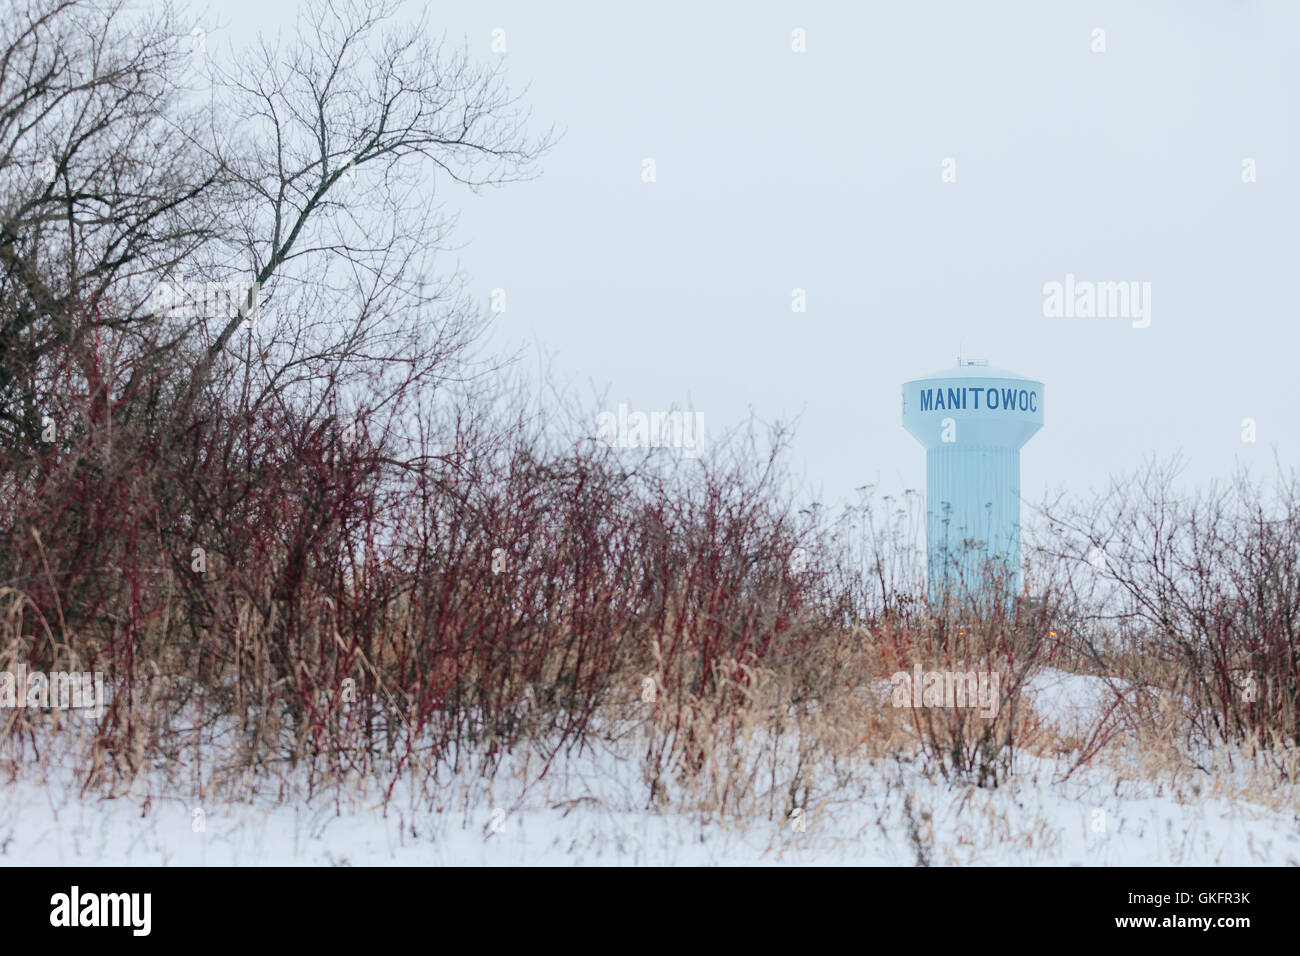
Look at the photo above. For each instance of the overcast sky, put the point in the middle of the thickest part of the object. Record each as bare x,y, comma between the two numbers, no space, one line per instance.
823,170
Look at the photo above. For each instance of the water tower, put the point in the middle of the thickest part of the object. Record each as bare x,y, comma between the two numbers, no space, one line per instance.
972,420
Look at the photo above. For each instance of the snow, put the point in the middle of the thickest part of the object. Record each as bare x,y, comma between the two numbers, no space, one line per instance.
592,811
1071,702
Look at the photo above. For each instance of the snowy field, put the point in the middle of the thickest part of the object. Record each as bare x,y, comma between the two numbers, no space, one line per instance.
591,811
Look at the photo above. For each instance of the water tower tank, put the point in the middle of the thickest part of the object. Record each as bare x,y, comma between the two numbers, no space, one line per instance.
972,420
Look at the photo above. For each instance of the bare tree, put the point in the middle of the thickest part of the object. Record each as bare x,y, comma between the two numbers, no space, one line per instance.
102,185
341,144
309,174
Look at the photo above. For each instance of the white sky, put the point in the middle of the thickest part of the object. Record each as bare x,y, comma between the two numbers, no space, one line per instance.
821,170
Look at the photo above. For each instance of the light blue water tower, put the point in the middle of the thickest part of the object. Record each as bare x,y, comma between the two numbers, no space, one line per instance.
973,421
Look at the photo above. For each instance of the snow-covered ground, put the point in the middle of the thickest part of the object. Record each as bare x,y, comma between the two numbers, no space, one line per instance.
592,811
1070,702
